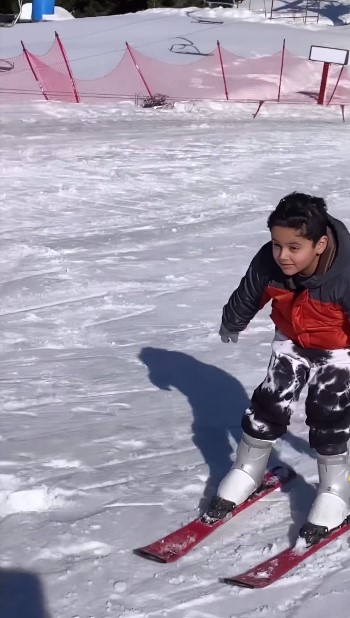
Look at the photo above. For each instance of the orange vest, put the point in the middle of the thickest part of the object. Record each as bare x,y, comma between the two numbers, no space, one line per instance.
308,322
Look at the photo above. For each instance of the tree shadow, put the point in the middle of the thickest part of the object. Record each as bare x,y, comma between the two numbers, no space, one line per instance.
218,401
331,10
21,595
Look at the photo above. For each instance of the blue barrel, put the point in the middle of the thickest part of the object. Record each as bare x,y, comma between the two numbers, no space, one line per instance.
42,7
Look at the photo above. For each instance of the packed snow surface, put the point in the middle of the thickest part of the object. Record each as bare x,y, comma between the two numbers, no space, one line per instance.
123,232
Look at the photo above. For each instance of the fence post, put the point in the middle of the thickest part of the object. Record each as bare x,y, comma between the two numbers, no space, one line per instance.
77,98
281,72
34,73
222,70
138,69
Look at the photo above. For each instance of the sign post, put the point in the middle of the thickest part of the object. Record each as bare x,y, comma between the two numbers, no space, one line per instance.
323,85
327,55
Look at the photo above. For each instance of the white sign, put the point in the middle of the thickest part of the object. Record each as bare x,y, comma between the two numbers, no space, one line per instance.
329,54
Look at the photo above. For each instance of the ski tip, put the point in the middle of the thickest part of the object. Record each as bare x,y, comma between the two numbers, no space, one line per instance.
246,582
143,553
235,582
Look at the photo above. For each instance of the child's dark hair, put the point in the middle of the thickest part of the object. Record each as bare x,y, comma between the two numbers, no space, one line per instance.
303,212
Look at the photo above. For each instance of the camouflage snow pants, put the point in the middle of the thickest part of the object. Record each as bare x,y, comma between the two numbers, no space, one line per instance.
327,405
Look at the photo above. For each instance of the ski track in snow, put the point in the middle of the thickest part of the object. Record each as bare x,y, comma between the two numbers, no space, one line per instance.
123,233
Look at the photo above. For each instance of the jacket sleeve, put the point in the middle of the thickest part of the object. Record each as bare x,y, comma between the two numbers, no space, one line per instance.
249,297
345,303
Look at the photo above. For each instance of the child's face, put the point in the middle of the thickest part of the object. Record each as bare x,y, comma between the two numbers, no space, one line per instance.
294,253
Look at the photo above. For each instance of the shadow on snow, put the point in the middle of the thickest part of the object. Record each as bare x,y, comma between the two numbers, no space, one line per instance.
218,401
21,595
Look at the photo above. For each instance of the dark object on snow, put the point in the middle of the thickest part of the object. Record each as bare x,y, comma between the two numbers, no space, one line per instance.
156,100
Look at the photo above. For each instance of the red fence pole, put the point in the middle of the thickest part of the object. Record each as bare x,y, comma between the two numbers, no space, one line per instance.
281,72
222,70
323,85
138,69
33,71
63,52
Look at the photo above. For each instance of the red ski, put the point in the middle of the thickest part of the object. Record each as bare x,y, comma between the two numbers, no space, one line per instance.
178,543
274,568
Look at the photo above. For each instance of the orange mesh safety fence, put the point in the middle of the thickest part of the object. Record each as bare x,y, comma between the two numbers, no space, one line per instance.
123,83
51,72
218,76
17,82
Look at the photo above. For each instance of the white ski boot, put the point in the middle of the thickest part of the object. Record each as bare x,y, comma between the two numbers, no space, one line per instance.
243,479
331,505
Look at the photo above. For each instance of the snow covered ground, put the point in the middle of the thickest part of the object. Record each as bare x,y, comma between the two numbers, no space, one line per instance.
123,232
96,45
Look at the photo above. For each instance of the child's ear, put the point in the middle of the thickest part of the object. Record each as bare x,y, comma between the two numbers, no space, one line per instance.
321,245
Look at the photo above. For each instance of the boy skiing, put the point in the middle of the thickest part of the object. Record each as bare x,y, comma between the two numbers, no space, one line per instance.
305,271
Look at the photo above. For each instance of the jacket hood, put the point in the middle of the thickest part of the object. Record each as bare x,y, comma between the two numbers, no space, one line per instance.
342,256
